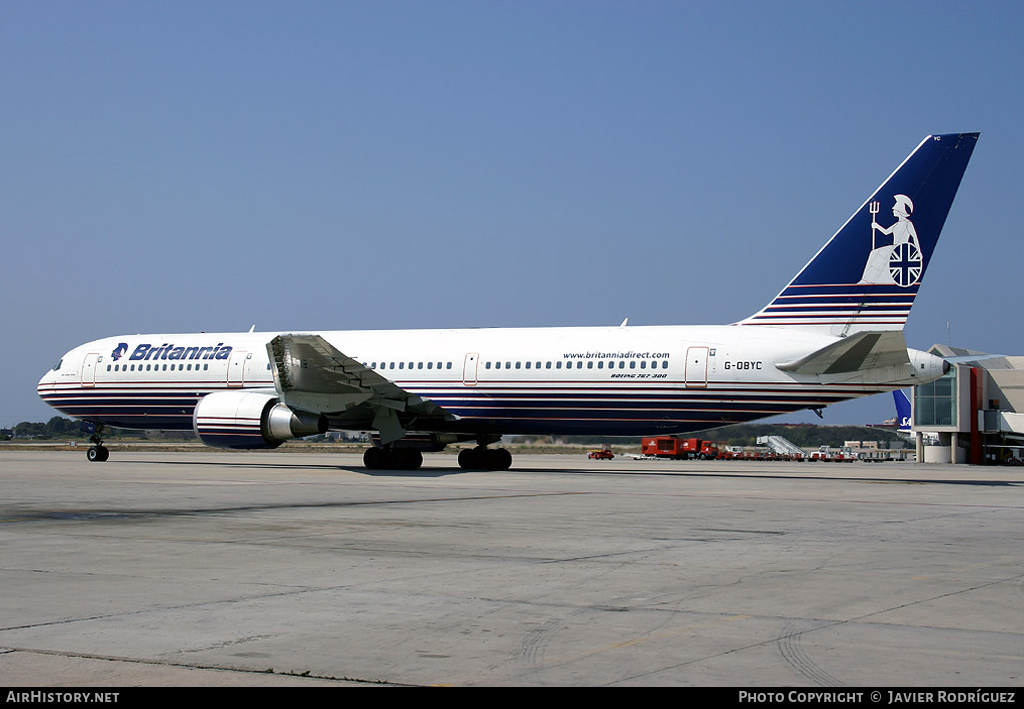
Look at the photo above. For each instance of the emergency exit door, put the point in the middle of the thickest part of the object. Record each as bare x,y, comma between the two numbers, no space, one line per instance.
469,369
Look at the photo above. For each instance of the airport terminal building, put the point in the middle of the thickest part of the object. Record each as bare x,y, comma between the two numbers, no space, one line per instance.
972,414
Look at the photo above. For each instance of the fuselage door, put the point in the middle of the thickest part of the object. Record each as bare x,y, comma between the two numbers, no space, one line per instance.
89,369
469,369
236,368
696,367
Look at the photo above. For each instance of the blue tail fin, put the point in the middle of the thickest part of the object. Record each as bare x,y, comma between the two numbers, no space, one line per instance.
867,276
902,410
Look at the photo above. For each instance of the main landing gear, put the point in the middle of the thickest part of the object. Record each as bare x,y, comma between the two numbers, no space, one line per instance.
98,453
483,458
390,458
480,458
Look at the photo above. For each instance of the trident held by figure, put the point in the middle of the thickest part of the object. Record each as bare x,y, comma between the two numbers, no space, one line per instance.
873,208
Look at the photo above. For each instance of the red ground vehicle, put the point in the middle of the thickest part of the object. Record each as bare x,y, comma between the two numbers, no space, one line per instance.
680,448
829,455
604,453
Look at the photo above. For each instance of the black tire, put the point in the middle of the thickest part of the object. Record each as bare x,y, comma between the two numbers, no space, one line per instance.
373,458
480,458
501,459
470,459
401,459
404,459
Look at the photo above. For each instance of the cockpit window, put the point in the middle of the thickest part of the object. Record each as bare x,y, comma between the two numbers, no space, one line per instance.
57,366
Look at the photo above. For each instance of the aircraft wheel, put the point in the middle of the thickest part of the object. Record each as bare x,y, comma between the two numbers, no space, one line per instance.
401,459
97,454
405,459
502,459
481,458
469,459
373,458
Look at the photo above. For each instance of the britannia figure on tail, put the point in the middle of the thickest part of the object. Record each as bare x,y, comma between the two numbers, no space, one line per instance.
900,262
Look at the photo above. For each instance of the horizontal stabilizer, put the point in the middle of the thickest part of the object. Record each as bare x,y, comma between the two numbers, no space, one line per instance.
865,350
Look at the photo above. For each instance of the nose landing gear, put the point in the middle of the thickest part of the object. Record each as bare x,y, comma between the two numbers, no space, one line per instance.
98,453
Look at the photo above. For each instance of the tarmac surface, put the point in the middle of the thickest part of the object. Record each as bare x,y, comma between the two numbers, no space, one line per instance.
278,569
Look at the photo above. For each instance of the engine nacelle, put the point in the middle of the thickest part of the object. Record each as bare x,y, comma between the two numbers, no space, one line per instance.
251,420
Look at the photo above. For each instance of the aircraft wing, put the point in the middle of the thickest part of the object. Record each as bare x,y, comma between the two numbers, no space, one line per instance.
312,375
865,350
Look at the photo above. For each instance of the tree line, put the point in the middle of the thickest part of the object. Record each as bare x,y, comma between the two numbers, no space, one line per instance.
56,427
61,428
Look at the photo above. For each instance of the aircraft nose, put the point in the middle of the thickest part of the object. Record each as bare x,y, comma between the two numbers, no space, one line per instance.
50,376
45,380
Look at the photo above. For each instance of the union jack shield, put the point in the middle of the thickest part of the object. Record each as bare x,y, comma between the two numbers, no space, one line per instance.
905,265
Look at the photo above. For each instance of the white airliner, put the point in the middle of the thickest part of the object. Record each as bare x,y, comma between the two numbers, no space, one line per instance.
834,333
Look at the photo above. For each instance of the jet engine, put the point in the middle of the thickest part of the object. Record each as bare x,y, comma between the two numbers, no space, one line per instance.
250,420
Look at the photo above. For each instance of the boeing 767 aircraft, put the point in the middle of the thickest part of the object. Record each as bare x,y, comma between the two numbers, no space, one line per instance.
834,333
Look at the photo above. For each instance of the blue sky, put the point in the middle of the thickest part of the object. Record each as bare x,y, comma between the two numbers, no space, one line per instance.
207,166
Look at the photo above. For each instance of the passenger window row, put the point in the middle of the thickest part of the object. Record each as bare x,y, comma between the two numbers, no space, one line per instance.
411,365
155,368
591,364
577,364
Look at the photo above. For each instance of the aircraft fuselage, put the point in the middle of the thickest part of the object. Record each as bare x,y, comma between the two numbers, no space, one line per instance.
615,381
